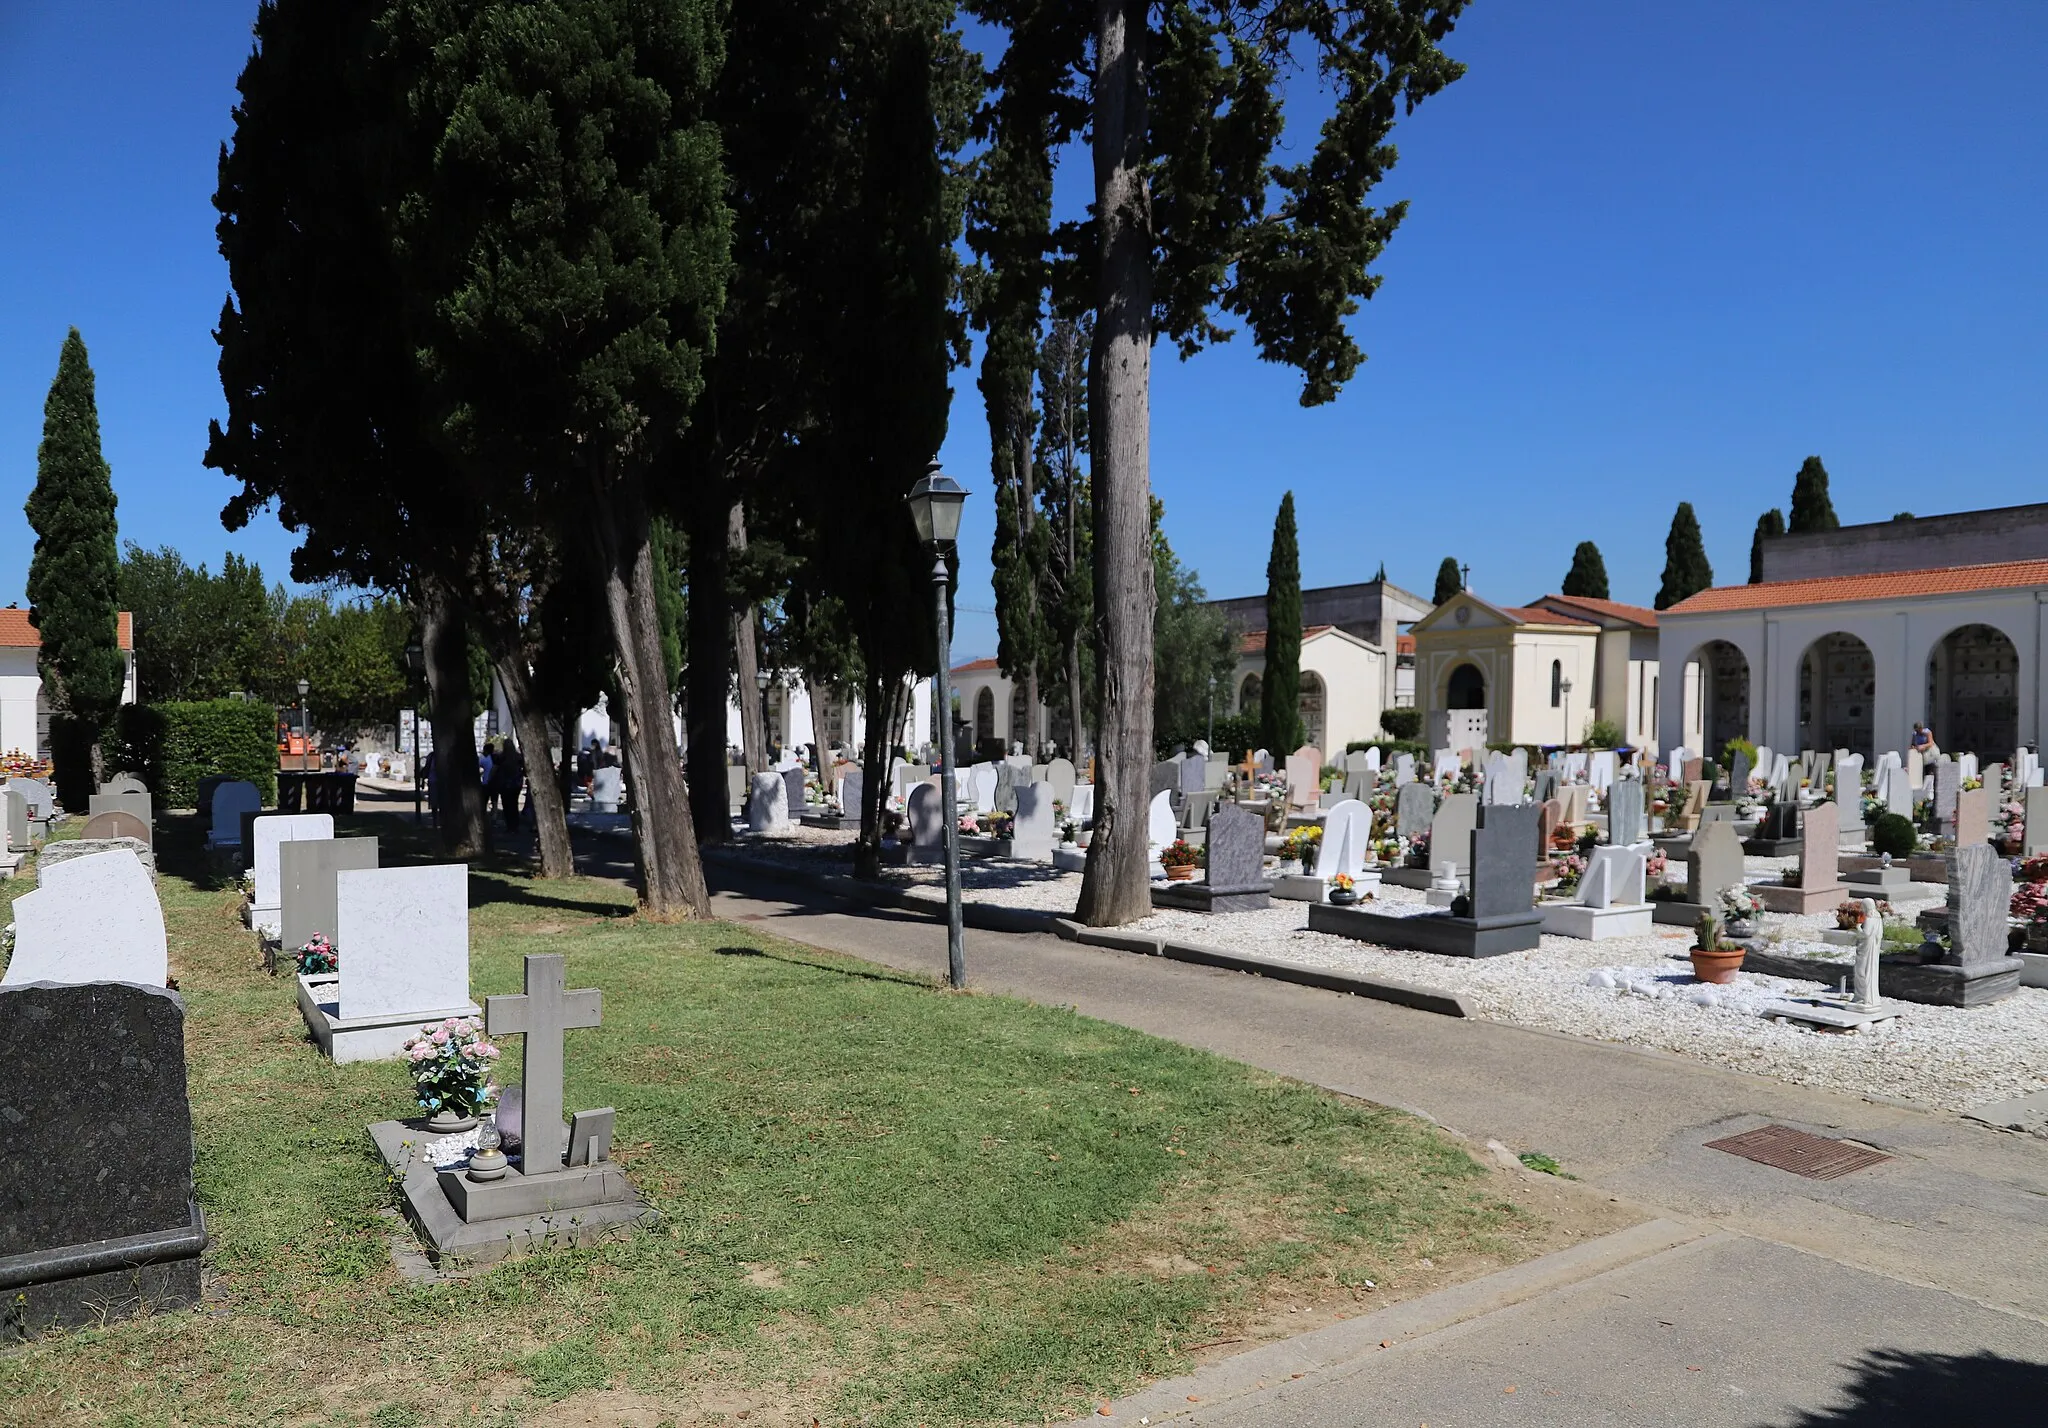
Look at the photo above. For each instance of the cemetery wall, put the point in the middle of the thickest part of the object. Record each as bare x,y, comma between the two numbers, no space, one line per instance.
1926,543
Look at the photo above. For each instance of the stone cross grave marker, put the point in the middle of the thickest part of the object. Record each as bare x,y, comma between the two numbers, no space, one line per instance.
1625,819
1414,805
542,1014
1713,862
91,919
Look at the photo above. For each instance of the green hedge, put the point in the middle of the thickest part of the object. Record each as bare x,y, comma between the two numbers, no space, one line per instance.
171,747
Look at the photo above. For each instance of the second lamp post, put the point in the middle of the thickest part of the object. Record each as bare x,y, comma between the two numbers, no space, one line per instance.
935,503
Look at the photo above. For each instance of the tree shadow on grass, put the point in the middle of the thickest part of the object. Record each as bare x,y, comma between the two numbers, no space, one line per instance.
1894,1388
862,972
488,887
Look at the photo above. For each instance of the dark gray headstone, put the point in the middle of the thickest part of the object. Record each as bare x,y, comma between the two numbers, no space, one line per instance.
1738,776
1502,885
1979,892
98,1148
1546,784
1781,820
1165,779
1625,817
1198,808
305,880
1193,772
1713,862
1414,805
793,784
1005,800
1237,849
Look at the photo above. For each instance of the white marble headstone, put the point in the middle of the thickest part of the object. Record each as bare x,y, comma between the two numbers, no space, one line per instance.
93,919
1161,827
1613,878
926,813
982,778
406,931
272,830
1033,833
607,789
768,803
1347,830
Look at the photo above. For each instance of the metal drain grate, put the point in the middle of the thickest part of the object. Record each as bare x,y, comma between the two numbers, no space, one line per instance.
1814,1156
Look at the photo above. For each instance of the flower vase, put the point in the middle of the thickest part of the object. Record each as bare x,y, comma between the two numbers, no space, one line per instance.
1739,928
447,1122
1343,897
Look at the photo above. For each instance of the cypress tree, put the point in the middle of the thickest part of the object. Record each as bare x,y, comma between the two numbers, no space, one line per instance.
1686,571
1812,510
1770,523
1280,690
74,576
1448,581
1588,576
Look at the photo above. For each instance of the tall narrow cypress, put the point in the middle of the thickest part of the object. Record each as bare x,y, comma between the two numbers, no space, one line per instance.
74,576
1587,578
1448,581
1686,571
1770,523
1280,690
1812,508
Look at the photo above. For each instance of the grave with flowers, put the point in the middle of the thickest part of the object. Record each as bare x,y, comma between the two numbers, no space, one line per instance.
486,1177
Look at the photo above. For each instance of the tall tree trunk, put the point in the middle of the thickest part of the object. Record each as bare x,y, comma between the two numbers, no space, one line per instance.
671,875
1027,517
821,754
530,728
1074,732
565,771
1116,887
876,742
747,662
708,673
458,797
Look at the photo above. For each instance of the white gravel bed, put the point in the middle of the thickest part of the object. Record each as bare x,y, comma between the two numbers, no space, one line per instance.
1947,1057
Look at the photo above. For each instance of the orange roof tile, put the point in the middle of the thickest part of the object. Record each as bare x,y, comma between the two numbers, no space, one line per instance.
1529,615
1889,585
1254,641
1404,644
1613,609
18,632
978,666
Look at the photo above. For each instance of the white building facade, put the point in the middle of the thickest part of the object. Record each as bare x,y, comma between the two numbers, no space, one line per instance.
1854,661
24,722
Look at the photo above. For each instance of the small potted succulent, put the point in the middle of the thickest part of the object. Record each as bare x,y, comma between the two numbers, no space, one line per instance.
1343,890
1740,907
1713,960
1179,860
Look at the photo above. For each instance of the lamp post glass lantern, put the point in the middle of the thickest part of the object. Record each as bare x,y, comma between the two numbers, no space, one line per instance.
935,503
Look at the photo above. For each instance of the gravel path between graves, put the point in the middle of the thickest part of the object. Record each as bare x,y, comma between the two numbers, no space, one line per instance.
1947,1057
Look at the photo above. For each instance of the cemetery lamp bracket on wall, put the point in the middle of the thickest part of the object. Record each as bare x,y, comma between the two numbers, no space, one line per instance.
935,503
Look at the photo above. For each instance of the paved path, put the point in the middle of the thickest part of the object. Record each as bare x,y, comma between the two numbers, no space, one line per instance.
1942,1248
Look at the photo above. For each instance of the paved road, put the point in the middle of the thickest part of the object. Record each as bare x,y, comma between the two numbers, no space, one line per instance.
1942,1250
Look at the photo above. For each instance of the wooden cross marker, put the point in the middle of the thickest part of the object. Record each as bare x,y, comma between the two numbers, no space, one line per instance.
541,1016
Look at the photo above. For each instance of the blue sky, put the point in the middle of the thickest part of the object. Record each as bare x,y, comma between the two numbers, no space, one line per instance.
1655,253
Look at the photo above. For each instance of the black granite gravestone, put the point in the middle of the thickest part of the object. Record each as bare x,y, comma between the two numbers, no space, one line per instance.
97,1216
1236,879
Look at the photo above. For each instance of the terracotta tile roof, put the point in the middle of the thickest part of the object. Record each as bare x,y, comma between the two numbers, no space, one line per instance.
17,633
1613,609
1254,641
1890,585
1404,644
978,666
1529,615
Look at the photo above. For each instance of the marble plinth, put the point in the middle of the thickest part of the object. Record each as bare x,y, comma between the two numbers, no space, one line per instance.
1431,932
1777,898
1591,924
363,1038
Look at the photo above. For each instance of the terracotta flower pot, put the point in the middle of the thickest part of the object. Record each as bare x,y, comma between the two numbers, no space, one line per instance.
1717,967
1182,873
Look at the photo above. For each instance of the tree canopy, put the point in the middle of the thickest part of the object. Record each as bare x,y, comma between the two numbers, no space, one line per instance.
1280,686
1449,581
1686,571
1812,510
1770,523
1588,576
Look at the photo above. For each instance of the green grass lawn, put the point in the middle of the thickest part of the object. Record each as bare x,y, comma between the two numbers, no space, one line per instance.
881,1202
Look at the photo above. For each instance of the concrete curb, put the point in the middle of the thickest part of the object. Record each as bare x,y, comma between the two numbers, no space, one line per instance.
1352,1341
986,918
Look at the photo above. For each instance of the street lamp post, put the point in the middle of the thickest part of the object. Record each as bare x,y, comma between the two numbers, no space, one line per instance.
762,679
935,503
1564,687
416,662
